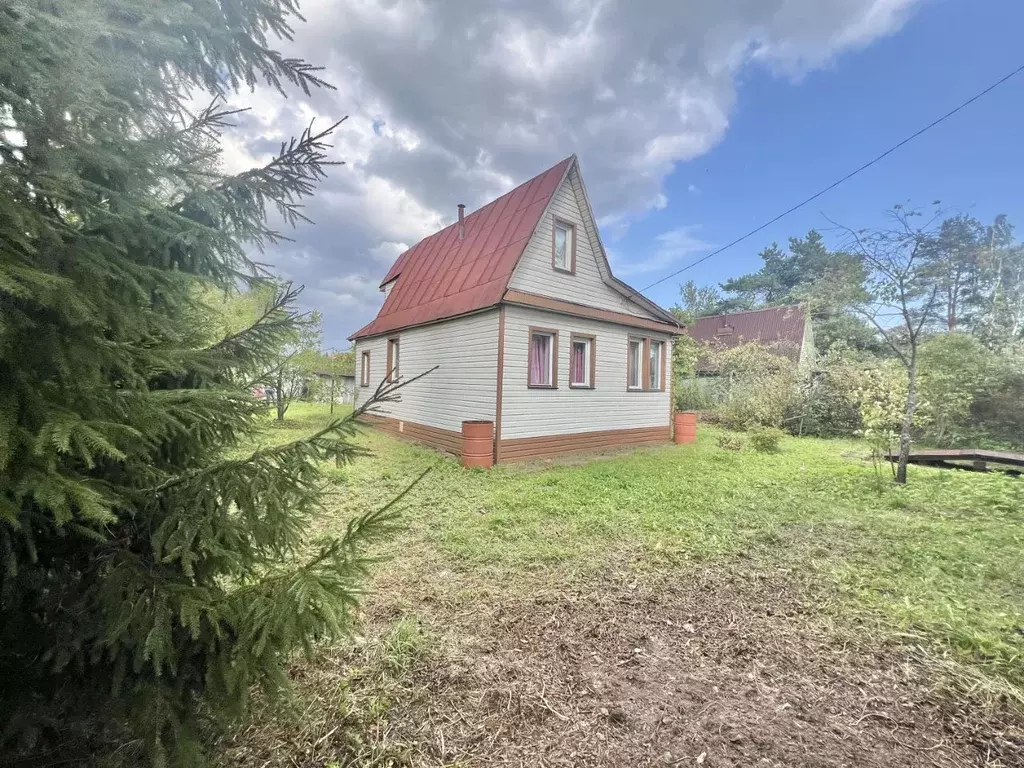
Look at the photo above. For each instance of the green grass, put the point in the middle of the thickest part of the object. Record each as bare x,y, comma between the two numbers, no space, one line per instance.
938,562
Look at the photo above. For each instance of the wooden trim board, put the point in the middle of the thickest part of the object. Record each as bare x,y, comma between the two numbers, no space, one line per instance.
501,381
435,437
526,299
524,448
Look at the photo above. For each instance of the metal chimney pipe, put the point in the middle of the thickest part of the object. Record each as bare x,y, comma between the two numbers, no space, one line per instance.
462,221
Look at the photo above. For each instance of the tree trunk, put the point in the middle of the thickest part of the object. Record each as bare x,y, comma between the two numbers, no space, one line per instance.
908,421
279,393
332,394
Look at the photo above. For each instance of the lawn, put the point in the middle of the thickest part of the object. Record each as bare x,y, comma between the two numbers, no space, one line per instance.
653,606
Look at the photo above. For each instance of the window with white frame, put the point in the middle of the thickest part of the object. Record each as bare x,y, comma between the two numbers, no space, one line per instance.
635,364
543,358
364,369
581,361
563,251
645,365
392,360
654,364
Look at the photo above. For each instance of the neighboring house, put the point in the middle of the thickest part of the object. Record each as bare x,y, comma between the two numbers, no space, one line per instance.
344,386
517,307
784,330
348,388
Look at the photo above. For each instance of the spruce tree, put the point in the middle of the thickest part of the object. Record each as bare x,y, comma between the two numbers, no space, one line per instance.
150,576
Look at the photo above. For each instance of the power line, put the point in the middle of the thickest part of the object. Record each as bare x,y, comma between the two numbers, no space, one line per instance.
847,177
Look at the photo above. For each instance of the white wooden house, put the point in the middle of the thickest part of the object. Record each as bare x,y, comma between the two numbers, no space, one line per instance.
517,307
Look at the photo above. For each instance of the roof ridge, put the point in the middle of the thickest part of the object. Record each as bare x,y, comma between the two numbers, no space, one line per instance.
517,186
750,311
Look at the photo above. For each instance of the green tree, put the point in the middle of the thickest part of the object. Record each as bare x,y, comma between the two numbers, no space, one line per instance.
951,258
996,414
150,576
295,352
807,273
998,301
826,281
696,301
337,365
298,361
956,370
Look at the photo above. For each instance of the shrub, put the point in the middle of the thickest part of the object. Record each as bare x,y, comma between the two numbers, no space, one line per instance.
956,371
691,396
730,442
766,439
829,404
757,386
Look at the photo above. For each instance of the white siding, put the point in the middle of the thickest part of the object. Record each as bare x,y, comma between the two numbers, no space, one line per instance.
463,387
538,412
536,275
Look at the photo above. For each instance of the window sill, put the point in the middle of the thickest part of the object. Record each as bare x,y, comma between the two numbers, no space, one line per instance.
564,271
581,386
649,391
542,386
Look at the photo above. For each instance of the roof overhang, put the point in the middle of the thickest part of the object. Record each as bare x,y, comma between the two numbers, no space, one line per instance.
361,336
536,301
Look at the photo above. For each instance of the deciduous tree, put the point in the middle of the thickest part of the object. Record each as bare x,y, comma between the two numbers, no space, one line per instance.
902,299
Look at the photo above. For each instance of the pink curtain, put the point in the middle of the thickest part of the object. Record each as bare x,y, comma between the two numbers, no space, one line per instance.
540,363
579,363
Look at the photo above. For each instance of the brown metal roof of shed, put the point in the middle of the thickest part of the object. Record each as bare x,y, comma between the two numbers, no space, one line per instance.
781,328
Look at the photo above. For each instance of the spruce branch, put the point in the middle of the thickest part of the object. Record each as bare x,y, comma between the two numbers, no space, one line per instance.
240,202
319,441
249,345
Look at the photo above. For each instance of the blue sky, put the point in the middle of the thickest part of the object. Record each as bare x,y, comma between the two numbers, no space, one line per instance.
789,139
694,122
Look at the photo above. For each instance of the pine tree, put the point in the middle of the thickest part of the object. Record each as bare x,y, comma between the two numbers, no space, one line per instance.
147,573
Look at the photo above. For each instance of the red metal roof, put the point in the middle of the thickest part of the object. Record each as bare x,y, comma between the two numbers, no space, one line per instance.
442,276
779,327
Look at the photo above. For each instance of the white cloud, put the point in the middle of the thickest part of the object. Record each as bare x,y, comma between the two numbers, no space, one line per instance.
670,248
386,253
456,101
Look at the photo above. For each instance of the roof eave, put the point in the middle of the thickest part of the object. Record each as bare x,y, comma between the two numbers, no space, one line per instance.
360,336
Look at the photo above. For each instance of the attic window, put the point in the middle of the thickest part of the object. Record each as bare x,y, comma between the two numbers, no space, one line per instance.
563,246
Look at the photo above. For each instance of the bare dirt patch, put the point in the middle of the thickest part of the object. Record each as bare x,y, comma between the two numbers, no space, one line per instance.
713,667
